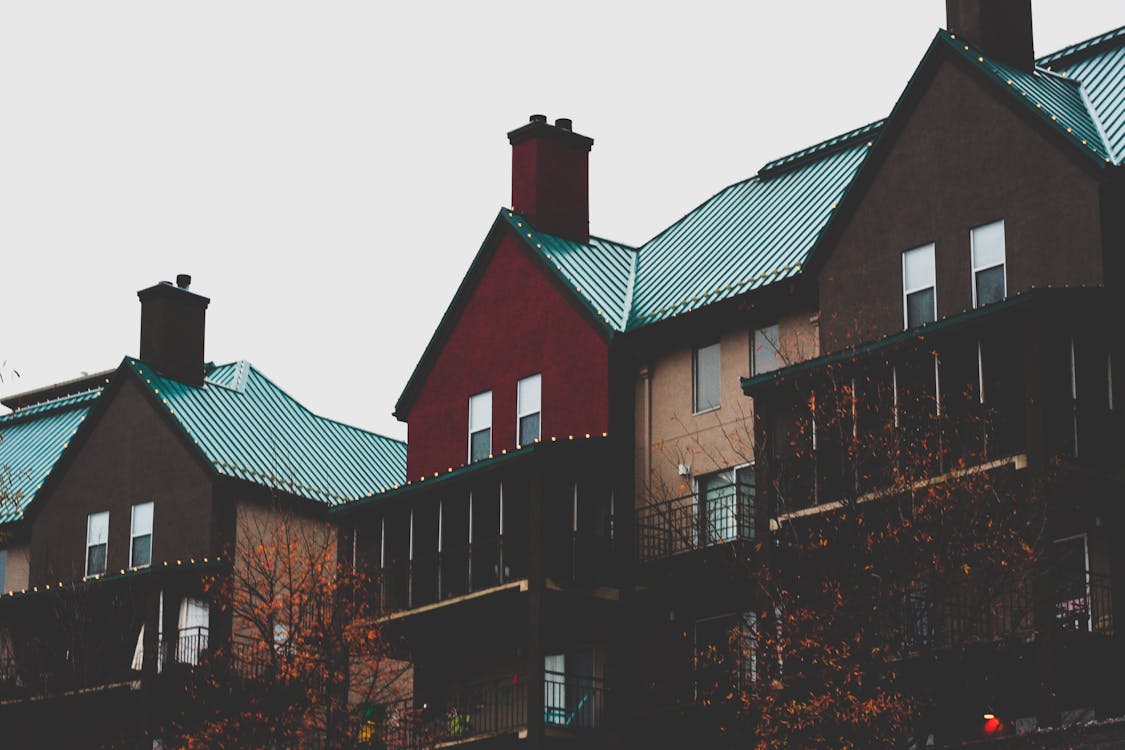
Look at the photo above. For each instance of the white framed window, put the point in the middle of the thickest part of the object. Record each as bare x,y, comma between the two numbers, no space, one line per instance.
97,542
724,505
919,292
480,426
705,378
529,400
765,353
990,283
140,536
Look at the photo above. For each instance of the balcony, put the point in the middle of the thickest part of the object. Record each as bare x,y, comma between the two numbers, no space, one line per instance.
477,711
571,558
980,613
685,524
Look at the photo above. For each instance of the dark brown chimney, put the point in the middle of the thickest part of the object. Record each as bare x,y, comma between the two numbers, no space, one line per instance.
172,328
1001,29
551,177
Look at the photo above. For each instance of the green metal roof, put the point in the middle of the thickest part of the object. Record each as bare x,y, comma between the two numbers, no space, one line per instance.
601,272
247,427
1099,64
1057,99
762,230
31,441
749,235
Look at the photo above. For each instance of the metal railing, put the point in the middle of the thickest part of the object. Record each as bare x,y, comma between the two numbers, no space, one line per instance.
453,572
692,522
982,613
573,701
489,707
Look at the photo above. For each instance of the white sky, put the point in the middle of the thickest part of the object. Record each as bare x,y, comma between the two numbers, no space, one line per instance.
326,170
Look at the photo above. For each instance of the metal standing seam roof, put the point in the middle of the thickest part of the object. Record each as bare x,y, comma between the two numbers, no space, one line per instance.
760,231
31,440
249,428
601,272
1099,64
1057,99
750,234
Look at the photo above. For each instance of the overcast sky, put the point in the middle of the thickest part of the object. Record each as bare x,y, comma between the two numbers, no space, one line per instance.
326,170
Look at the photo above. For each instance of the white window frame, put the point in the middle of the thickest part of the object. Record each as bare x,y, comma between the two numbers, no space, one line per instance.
973,259
89,523
480,429
133,535
907,291
521,411
695,405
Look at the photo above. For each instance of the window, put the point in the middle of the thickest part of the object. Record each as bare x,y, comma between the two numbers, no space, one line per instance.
705,365
140,536
725,655
725,509
919,298
766,353
3,570
529,398
480,426
97,542
989,281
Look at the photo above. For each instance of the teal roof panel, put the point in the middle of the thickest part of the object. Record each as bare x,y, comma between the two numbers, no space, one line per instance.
1099,65
601,271
31,441
1057,99
247,427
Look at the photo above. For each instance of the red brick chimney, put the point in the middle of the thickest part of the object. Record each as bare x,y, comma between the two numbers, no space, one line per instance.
551,177
1000,28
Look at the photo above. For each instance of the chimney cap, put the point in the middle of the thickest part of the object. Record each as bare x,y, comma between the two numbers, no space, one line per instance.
561,132
183,280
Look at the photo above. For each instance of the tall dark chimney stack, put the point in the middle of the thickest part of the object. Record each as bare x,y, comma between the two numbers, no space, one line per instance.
551,177
1002,29
172,330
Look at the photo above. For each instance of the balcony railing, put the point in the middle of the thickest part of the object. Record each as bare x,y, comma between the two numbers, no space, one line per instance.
573,702
693,522
490,707
448,574
981,613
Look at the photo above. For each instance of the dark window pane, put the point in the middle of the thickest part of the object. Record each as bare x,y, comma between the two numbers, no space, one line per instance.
990,286
920,308
95,559
529,429
142,550
481,445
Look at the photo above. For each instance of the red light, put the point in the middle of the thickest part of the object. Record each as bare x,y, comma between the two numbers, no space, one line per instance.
992,725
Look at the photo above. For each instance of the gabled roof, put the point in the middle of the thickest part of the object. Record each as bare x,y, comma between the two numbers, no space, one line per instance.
601,272
749,235
246,427
763,230
32,439
1099,64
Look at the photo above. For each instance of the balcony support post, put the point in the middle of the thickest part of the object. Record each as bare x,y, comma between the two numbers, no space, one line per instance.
535,586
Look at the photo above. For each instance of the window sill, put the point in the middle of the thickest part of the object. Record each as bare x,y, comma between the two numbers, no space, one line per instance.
707,411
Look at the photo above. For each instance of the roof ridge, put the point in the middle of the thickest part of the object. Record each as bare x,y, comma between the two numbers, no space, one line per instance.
50,406
250,367
818,150
1085,48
